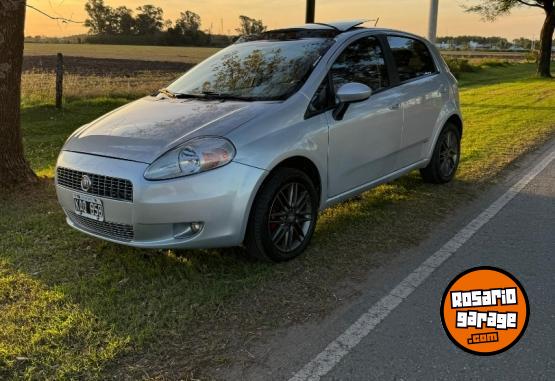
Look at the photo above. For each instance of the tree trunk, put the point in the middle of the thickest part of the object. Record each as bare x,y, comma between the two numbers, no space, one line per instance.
544,64
13,167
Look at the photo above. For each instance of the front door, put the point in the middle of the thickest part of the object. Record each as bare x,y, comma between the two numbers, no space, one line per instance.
363,145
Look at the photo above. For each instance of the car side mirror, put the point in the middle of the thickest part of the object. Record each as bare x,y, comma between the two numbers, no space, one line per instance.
350,93
353,92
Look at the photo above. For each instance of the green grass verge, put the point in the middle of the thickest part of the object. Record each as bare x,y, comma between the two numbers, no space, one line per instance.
76,307
46,128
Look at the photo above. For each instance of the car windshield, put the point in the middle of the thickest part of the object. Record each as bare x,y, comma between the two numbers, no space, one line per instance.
255,70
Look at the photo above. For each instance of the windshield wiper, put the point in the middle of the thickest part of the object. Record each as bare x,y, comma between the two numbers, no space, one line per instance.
171,94
166,92
223,96
206,95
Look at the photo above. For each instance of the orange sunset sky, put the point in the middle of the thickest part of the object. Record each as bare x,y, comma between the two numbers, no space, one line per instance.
409,15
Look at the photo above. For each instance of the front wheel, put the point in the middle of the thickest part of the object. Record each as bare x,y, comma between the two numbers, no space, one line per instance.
283,216
445,158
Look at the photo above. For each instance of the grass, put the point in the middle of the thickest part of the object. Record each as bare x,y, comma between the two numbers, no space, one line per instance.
154,53
47,128
39,88
76,307
39,323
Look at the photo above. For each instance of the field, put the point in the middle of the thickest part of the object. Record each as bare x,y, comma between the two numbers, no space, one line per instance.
190,55
193,55
509,56
96,77
74,307
129,71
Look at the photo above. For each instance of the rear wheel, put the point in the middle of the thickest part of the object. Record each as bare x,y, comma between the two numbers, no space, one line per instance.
283,216
445,158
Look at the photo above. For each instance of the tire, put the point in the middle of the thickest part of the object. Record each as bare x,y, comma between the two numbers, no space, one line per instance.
279,230
445,158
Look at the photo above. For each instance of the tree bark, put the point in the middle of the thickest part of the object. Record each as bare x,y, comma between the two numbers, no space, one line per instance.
14,169
546,42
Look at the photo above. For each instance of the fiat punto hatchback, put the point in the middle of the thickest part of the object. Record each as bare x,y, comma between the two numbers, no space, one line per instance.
249,145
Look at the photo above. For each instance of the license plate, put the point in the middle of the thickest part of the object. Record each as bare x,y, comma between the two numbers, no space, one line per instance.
88,206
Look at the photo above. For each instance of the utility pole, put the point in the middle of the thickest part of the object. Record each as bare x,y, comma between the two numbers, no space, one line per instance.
310,10
432,25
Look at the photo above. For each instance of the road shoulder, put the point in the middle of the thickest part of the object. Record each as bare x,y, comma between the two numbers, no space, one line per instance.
280,355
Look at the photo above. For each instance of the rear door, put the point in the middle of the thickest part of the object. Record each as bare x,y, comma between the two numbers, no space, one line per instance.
420,92
363,145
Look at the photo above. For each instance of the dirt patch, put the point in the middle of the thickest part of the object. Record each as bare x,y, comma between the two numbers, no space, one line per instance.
102,66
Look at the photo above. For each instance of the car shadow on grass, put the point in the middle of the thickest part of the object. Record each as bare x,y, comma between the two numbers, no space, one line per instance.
171,313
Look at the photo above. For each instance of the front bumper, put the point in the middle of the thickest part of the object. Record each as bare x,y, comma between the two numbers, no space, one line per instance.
220,199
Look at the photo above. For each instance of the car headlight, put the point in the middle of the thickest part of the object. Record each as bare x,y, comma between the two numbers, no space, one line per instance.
195,156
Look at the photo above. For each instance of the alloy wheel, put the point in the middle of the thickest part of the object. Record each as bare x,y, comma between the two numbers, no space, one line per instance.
448,154
290,217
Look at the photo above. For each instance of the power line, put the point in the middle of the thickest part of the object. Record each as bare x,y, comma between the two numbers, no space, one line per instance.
62,19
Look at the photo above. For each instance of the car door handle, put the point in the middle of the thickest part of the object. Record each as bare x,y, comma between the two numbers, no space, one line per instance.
396,106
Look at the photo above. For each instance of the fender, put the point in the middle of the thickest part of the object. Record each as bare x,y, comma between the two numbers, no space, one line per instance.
449,109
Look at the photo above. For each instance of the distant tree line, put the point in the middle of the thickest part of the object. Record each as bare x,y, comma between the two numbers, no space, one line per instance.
146,25
526,43
497,42
75,39
500,42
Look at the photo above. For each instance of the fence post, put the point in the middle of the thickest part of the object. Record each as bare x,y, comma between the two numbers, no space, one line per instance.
59,80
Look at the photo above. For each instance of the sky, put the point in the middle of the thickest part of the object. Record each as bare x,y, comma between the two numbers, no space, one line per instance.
223,15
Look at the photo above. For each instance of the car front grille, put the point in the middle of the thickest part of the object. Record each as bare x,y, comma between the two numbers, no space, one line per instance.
103,186
119,232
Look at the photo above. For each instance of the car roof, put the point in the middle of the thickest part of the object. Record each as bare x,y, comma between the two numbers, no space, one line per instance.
346,27
341,30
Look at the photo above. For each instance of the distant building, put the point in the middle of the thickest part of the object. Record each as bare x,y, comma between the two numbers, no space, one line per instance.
476,45
516,48
443,46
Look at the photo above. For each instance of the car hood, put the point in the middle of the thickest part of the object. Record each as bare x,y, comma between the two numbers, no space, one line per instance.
145,129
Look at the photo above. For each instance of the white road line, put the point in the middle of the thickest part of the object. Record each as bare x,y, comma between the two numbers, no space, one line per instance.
344,343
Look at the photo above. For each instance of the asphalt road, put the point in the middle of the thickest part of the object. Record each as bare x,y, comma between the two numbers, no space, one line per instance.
408,342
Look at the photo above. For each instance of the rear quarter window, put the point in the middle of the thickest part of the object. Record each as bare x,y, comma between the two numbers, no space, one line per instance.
412,57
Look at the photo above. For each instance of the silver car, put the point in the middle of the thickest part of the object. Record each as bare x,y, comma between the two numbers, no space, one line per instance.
249,145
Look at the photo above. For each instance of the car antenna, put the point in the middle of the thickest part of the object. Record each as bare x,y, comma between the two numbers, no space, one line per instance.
375,21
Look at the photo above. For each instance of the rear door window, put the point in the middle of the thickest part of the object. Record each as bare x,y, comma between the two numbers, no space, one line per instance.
412,57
